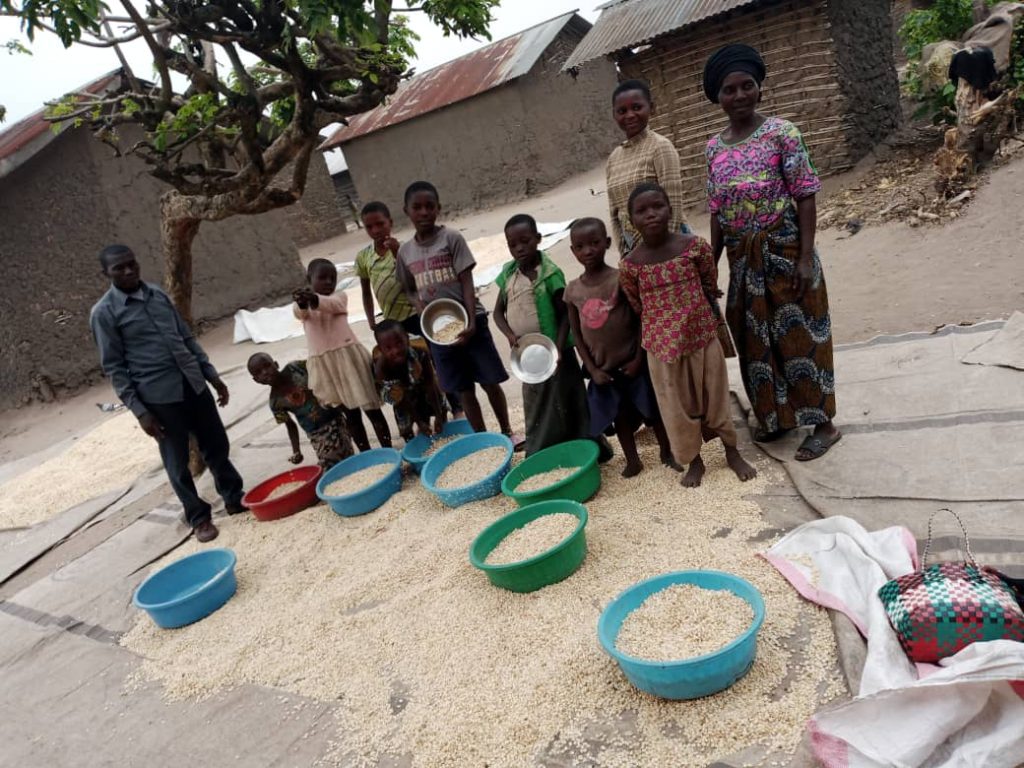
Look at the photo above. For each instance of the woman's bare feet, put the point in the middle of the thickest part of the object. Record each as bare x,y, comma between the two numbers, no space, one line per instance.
694,475
633,468
739,465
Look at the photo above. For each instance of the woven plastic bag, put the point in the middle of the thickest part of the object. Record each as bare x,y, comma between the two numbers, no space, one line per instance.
940,609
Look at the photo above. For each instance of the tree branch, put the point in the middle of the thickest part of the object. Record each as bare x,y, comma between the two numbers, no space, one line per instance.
158,51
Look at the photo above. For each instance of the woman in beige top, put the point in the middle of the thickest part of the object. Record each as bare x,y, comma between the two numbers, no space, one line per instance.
643,156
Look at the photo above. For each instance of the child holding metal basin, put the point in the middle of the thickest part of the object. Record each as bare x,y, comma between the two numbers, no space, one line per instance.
530,290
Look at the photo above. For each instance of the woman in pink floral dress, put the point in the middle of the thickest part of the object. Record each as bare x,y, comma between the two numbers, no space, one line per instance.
761,194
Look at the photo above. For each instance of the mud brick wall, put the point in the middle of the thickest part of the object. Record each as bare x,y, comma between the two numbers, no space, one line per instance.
318,215
58,210
836,84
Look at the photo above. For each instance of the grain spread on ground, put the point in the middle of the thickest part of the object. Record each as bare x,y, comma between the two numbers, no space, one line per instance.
545,479
284,489
82,472
534,538
442,656
438,443
471,469
358,481
450,332
683,621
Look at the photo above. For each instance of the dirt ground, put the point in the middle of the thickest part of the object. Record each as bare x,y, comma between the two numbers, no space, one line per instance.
888,277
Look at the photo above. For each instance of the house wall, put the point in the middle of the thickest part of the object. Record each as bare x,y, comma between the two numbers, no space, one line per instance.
348,197
318,215
807,72
506,144
58,210
862,31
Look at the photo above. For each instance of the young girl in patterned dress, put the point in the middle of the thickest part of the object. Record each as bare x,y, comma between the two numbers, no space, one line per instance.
340,368
670,279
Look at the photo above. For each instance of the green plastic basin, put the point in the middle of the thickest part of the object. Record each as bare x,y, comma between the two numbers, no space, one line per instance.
579,486
557,564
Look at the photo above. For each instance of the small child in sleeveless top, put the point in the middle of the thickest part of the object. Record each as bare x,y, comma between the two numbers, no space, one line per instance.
607,333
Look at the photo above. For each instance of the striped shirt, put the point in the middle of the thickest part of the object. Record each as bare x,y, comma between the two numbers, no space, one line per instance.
648,156
390,293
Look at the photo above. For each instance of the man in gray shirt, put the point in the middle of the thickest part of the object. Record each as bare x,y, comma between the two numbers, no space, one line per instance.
160,373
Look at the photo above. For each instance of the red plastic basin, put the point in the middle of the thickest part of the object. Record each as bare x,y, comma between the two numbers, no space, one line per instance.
290,503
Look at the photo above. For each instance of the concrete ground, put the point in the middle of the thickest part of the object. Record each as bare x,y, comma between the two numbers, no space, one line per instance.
885,279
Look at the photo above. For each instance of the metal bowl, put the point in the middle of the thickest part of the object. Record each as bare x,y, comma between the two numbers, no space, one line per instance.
534,359
439,314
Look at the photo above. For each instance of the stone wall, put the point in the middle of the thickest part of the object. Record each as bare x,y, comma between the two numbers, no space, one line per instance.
58,210
506,144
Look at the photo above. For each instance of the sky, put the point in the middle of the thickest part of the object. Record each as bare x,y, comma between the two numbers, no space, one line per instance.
26,82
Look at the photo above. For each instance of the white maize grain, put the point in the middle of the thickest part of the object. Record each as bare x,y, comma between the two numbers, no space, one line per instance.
534,538
683,621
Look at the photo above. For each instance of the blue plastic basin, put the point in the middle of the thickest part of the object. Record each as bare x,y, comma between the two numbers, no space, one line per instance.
368,499
687,678
188,590
484,489
419,445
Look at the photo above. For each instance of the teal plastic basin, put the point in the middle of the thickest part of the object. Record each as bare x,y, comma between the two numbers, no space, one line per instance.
690,678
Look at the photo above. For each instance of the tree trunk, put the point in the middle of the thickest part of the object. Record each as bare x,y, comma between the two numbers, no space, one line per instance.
980,10
176,236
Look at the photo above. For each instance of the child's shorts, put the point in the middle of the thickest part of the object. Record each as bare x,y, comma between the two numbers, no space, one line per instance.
459,367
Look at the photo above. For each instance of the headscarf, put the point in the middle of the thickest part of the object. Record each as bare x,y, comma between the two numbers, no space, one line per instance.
732,58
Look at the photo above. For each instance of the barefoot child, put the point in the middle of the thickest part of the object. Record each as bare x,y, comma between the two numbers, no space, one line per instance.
607,333
666,278
436,264
290,396
405,377
340,369
378,277
530,289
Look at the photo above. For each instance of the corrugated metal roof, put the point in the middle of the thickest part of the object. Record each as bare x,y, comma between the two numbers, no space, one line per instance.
35,128
629,23
457,80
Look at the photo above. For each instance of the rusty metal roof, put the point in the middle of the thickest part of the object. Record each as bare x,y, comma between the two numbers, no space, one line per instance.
458,80
34,132
629,23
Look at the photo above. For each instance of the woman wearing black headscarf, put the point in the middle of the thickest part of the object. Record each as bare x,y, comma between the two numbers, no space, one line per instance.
761,193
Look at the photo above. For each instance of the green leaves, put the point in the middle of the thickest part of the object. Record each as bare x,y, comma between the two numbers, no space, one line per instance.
462,18
15,46
68,18
273,57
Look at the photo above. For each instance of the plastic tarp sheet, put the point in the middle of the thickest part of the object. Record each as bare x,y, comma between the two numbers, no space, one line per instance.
923,431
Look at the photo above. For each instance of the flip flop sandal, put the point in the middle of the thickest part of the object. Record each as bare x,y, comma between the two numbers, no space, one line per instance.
762,436
816,446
